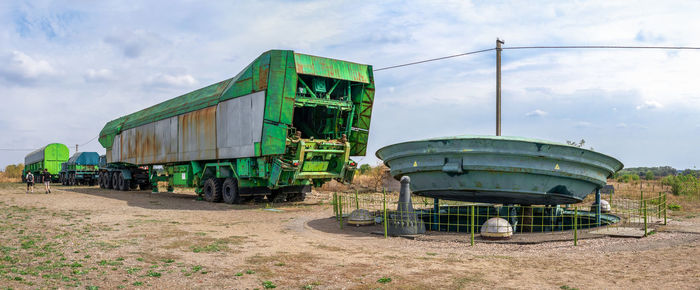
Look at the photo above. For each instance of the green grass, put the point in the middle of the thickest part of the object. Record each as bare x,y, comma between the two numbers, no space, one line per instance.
152,273
268,285
384,280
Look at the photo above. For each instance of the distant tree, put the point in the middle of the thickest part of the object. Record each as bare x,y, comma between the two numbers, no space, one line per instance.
14,170
649,175
364,168
574,143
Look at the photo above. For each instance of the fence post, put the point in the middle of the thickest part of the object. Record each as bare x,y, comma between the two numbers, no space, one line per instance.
386,235
665,208
340,210
597,207
335,205
576,226
472,225
645,217
436,212
658,206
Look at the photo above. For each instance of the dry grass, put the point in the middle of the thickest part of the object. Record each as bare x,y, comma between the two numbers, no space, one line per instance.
372,181
5,179
689,204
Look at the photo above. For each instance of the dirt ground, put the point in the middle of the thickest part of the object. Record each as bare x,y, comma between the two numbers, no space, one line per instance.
86,236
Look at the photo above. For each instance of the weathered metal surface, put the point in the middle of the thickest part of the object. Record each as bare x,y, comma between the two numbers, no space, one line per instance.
239,124
326,67
197,135
84,158
508,170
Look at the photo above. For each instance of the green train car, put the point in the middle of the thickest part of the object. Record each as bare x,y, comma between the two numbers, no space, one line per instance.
50,157
80,169
285,123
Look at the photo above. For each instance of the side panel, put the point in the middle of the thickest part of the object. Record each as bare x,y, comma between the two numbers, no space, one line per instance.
197,135
116,149
239,125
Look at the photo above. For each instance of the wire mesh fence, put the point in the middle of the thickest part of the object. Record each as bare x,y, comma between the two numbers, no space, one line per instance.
472,222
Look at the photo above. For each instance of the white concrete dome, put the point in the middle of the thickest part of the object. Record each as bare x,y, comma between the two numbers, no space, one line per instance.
604,206
496,228
361,217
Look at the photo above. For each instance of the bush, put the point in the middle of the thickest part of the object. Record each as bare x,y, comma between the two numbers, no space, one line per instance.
649,175
686,184
626,178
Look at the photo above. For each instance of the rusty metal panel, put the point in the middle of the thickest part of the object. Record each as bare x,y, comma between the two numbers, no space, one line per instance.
331,68
239,125
145,144
172,152
116,149
129,149
197,135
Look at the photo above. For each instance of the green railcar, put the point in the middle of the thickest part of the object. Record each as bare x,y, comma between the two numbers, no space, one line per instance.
49,157
81,169
287,122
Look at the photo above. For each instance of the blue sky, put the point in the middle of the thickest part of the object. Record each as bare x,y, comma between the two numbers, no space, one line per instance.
66,67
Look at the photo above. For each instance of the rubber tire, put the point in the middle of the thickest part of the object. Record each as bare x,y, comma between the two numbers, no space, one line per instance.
71,179
115,180
212,190
101,180
108,180
229,191
124,183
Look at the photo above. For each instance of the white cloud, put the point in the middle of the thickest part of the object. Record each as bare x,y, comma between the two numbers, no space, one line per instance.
21,68
168,80
536,113
98,75
650,104
621,125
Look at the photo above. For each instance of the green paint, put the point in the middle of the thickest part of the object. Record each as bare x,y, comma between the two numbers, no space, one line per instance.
344,108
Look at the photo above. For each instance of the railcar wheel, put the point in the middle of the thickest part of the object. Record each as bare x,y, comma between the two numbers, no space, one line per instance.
101,180
229,191
108,180
124,183
115,180
212,190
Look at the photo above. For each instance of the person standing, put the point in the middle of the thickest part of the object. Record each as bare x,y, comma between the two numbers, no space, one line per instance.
47,180
30,181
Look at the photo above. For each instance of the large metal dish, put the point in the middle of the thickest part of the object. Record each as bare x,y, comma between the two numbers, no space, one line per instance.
497,169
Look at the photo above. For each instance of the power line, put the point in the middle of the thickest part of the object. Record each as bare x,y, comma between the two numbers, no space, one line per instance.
434,59
604,47
90,140
545,47
15,149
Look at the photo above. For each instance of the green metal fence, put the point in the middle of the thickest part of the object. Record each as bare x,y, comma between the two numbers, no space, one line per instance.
528,224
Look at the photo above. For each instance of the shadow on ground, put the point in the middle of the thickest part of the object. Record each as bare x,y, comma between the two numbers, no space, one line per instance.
160,200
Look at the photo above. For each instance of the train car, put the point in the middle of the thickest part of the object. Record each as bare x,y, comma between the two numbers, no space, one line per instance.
81,169
287,122
49,157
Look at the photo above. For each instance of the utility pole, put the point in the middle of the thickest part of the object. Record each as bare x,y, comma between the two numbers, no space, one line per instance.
76,148
498,85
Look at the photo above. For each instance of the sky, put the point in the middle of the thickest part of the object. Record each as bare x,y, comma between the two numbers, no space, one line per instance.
69,67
